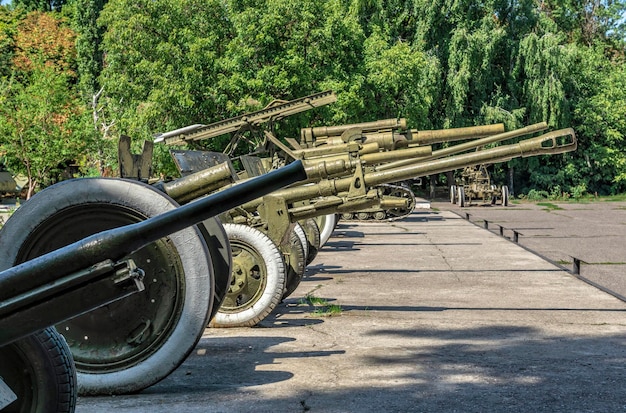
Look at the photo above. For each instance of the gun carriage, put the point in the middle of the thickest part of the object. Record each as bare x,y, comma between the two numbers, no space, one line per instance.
475,183
68,265
340,180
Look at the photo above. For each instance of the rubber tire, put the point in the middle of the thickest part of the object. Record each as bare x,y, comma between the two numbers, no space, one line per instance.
453,194
505,195
299,231
295,260
461,197
312,232
326,227
185,330
273,272
40,370
221,259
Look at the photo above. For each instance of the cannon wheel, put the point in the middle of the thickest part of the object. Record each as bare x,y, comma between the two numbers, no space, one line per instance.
221,259
505,195
461,197
295,259
400,191
40,371
135,342
326,223
453,194
313,240
258,278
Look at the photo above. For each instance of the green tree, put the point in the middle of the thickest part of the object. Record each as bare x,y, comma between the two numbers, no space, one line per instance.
40,126
39,5
41,122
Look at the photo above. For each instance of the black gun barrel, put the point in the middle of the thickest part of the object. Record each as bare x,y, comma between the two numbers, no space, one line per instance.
46,271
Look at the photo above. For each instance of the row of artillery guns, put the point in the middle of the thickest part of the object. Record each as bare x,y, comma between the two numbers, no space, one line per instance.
131,272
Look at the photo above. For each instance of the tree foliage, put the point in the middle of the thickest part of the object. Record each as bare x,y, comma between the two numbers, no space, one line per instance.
40,119
150,66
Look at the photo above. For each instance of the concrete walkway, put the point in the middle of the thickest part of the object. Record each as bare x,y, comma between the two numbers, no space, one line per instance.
437,315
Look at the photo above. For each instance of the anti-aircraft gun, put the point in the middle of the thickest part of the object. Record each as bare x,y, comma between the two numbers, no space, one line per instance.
338,184
86,243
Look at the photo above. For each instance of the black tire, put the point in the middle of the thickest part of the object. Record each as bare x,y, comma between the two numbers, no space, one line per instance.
135,342
258,281
313,239
505,195
39,369
453,194
298,229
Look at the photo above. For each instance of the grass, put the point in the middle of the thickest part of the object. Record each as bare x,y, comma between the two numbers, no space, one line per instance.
549,206
322,307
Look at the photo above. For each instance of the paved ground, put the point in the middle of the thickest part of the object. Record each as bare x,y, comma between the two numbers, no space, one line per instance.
437,315
591,232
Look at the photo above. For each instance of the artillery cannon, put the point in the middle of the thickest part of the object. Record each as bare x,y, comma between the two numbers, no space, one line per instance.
328,191
58,263
7,183
475,183
329,154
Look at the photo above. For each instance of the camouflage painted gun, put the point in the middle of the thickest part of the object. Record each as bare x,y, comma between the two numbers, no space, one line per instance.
86,243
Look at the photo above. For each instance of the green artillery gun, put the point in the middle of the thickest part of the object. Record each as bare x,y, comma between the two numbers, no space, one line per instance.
76,246
7,183
389,134
336,185
475,183
254,291
251,122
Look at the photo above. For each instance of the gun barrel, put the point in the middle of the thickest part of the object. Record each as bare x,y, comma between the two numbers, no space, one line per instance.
200,183
311,134
430,137
556,142
272,112
115,244
455,149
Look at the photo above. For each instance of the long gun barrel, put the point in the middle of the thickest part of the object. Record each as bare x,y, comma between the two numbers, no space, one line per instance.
556,142
88,274
456,149
272,112
391,134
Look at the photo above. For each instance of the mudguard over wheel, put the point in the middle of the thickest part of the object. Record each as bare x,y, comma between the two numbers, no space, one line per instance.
135,342
40,371
258,278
